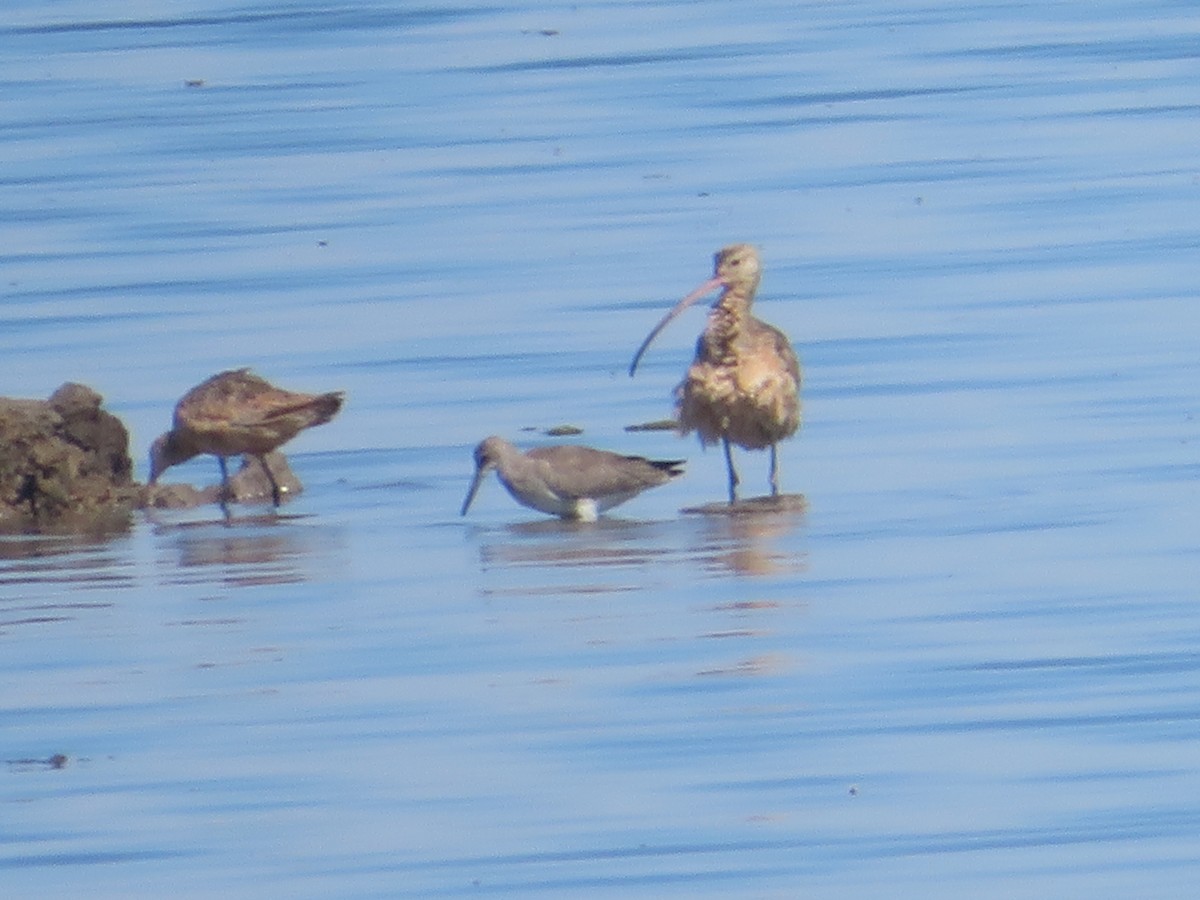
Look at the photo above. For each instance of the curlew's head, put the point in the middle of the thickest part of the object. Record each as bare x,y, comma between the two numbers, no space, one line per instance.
736,268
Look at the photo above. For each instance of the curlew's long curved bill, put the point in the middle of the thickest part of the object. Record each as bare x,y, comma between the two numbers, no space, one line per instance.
707,288
480,474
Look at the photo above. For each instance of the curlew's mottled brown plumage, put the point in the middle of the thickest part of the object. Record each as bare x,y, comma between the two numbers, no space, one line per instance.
235,413
568,481
743,386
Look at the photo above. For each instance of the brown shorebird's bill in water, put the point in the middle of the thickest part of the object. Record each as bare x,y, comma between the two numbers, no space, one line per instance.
568,481
743,386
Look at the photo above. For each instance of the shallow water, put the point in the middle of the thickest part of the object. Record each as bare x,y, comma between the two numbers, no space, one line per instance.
968,669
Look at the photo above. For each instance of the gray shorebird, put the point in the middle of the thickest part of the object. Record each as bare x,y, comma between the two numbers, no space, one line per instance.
568,481
743,386
235,413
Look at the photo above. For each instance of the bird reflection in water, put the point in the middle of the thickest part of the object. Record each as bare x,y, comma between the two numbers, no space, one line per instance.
257,552
748,545
606,543
745,544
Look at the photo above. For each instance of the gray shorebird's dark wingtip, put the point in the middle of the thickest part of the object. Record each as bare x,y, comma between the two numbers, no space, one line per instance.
673,467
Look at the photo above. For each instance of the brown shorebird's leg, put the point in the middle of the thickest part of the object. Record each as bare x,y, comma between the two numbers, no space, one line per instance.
226,490
733,476
774,471
276,494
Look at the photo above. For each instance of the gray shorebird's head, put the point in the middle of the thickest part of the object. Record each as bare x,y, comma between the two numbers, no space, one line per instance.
487,457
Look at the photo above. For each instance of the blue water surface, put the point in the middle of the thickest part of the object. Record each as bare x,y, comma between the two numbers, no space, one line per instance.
968,669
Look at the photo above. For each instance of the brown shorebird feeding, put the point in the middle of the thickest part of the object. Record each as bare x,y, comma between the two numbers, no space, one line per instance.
743,386
568,481
237,413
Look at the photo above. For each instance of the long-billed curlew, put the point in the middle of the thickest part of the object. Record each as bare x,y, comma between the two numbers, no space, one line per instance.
743,386
568,481
235,413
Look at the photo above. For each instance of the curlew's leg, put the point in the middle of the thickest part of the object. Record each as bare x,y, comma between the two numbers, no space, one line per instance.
774,471
733,476
275,492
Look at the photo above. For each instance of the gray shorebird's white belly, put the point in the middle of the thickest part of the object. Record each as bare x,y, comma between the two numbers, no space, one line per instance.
537,495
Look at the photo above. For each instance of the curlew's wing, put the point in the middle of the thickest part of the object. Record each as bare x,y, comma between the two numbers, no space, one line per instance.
766,360
783,350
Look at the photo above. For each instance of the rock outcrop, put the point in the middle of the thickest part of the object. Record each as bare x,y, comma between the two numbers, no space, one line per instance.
64,463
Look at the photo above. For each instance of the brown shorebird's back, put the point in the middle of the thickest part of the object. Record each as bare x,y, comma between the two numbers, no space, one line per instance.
238,412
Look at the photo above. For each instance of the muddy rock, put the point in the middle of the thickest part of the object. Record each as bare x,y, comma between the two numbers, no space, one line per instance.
249,485
64,463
